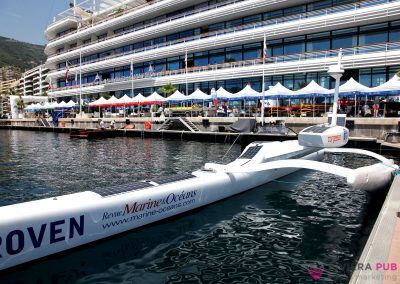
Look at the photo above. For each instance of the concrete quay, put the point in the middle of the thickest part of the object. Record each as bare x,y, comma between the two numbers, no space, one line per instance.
359,127
367,133
380,260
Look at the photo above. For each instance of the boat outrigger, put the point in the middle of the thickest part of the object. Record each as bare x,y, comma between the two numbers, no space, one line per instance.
36,229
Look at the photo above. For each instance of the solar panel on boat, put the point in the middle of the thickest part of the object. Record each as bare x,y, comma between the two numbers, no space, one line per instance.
173,178
251,152
316,129
107,191
341,121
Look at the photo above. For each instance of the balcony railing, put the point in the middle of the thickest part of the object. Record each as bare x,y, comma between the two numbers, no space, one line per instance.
302,16
152,23
299,58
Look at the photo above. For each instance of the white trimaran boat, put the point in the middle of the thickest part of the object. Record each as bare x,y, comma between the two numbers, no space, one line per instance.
35,229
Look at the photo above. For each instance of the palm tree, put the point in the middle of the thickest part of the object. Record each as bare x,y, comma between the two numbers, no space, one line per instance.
168,89
105,95
20,104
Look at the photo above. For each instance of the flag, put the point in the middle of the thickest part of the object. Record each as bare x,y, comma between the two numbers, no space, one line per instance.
66,72
265,50
97,78
76,79
132,69
186,61
214,98
150,71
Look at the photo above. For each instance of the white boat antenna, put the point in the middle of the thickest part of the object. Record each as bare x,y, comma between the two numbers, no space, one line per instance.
336,71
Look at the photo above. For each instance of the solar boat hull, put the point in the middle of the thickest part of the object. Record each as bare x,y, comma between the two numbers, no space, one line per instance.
36,229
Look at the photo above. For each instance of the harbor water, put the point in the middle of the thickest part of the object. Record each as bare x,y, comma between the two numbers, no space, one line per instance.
277,233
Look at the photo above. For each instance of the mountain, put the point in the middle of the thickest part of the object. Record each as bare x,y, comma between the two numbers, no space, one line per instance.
20,54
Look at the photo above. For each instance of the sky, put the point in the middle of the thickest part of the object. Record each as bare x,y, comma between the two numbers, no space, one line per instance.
26,20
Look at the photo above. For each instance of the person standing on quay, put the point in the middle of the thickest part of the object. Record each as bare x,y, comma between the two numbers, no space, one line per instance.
101,124
376,106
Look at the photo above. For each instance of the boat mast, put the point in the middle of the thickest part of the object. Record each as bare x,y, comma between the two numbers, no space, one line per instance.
80,82
336,71
263,79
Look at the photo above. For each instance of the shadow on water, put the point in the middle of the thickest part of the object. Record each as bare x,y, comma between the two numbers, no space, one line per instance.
271,234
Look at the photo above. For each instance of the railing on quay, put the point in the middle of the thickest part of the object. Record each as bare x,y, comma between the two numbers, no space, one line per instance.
300,58
307,15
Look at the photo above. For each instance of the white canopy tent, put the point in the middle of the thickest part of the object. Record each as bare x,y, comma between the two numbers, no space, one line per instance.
198,95
313,89
98,103
176,97
63,104
48,105
273,94
391,88
223,94
34,107
124,101
53,105
71,103
154,98
138,99
353,88
247,93
113,101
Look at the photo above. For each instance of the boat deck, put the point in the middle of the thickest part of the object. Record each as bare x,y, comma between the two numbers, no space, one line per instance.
118,189
380,259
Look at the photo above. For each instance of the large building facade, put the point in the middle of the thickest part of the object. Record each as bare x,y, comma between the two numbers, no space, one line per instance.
7,88
33,82
208,44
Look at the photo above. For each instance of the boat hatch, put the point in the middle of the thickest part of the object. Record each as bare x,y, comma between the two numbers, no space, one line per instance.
251,152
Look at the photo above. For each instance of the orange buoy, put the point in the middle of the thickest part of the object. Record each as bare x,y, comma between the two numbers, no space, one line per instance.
147,125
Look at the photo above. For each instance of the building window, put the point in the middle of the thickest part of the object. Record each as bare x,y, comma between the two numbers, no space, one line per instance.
234,86
371,38
317,45
217,59
294,48
173,65
201,61
103,36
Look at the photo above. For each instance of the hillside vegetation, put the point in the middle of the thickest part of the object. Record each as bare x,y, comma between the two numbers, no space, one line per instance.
20,54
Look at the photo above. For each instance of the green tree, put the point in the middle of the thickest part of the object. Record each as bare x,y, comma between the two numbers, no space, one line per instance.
168,89
20,104
105,95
